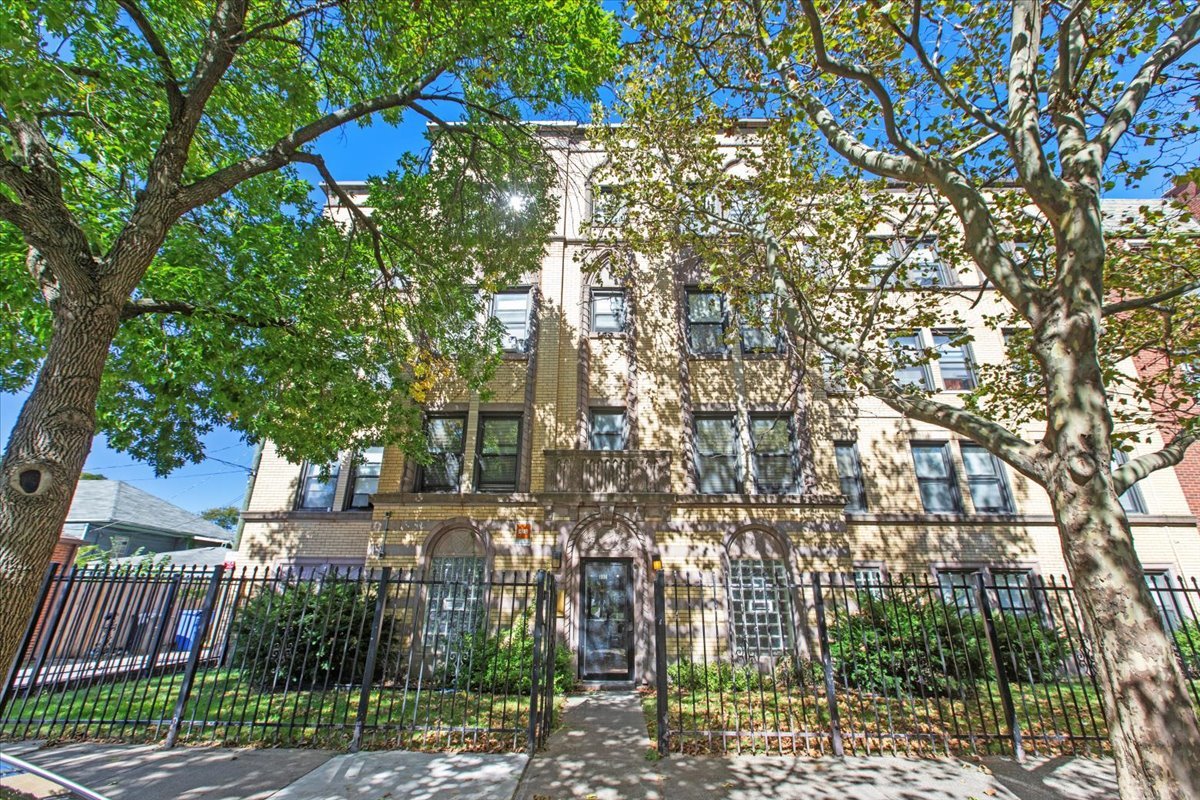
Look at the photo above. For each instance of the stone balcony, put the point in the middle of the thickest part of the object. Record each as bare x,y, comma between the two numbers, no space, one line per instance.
608,471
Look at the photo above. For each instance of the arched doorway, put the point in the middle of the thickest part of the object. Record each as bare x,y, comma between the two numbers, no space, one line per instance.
609,601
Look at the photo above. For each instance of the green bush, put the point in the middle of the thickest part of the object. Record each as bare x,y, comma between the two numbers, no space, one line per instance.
1187,643
897,645
503,663
305,635
719,676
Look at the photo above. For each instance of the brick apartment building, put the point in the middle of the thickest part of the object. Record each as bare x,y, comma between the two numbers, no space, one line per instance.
639,424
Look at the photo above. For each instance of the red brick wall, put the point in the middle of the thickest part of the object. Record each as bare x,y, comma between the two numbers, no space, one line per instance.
1148,364
1189,195
64,556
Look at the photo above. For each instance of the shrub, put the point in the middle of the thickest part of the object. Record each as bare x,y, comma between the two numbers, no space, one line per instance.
503,662
719,676
899,645
307,634
1187,644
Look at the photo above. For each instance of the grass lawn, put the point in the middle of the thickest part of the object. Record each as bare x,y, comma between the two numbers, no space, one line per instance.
223,709
1053,718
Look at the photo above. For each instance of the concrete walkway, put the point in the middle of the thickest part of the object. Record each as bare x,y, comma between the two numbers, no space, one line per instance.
603,752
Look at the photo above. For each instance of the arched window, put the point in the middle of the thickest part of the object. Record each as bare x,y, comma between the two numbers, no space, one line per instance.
456,575
760,594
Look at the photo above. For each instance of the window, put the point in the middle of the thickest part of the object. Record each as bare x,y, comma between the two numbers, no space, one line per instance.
869,580
511,310
756,327
935,478
609,206
850,477
834,373
317,486
706,322
760,602
908,348
364,481
1158,581
455,608
1131,500
444,440
958,588
924,264
957,365
986,481
774,464
608,429
1021,363
497,454
1014,594
118,546
717,456
608,310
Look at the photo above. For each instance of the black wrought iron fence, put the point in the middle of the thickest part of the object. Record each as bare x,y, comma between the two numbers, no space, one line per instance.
829,665
351,659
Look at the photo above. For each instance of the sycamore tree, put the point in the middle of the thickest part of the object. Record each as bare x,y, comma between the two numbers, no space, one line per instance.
163,270
989,131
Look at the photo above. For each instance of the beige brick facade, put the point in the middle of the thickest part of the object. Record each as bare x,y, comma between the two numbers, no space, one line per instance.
643,505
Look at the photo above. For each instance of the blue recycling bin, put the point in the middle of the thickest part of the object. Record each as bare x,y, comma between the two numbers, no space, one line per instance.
186,629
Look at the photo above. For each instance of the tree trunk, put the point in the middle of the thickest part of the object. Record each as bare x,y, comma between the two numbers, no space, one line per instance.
45,456
1152,726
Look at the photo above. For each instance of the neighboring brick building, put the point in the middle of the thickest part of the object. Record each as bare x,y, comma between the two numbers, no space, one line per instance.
624,430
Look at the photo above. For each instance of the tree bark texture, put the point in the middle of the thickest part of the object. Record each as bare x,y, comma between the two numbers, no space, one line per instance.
45,456
1152,725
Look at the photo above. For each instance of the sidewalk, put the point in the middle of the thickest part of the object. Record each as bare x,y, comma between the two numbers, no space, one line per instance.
601,752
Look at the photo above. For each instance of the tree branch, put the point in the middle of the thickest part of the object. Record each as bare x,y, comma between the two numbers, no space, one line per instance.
283,151
1154,299
360,217
259,30
170,79
144,305
1125,109
1025,139
1133,471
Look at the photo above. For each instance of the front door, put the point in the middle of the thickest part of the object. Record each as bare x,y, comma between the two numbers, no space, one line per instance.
607,624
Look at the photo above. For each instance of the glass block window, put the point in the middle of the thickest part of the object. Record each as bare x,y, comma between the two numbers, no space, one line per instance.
608,310
869,580
717,456
955,361
1158,581
317,486
758,334
609,205
511,310
705,322
761,606
986,480
908,348
935,478
455,609
498,454
364,482
1132,500
774,454
850,475
608,429
445,439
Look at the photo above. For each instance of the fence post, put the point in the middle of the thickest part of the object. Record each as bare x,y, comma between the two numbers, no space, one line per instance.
538,634
1006,698
660,661
189,675
835,724
10,678
368,676
547,719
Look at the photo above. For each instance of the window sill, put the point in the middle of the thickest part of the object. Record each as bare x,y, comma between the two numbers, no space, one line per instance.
608,334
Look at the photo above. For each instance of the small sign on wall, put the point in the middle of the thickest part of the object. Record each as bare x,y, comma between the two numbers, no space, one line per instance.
524,534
